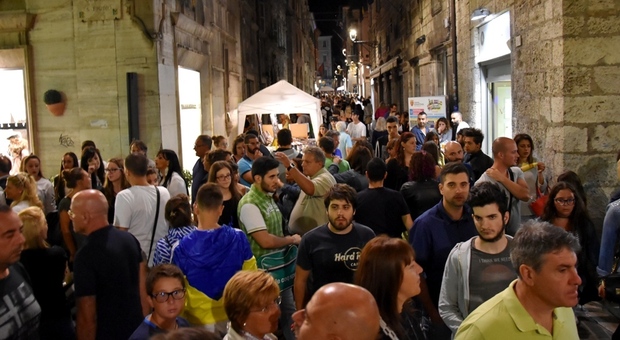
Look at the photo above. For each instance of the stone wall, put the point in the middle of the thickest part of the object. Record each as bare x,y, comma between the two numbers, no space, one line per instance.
87,57
565,84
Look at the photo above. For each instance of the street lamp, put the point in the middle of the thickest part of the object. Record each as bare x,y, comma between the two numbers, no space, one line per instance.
353,34
353,37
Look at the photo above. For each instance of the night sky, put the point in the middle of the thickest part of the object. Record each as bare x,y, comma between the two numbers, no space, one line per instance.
328,20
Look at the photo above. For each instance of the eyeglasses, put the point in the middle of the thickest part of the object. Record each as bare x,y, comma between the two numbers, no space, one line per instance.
198,145
223,177
71,214
569,201
162,297
113,170
275,303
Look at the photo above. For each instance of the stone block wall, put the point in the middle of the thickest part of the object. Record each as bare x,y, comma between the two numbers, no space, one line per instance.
88,61
564,84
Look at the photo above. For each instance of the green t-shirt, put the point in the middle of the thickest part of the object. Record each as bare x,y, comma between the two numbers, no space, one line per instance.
342,166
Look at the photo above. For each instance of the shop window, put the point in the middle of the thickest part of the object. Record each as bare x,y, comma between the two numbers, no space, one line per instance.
14,116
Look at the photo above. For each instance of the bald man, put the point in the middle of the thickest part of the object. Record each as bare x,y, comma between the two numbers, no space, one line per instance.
109,273
453,152
510,179
338,311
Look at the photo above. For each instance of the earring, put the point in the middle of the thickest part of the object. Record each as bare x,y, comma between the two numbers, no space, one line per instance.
244,325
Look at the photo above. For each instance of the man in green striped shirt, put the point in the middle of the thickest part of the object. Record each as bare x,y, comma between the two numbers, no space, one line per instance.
261,220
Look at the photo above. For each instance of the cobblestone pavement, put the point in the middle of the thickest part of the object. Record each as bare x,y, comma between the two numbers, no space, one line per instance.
597,320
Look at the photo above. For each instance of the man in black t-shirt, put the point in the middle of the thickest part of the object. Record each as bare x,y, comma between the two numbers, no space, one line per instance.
383,210
330,253
19,311
109,273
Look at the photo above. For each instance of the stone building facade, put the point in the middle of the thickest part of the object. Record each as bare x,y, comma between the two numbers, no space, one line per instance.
546,68
85,49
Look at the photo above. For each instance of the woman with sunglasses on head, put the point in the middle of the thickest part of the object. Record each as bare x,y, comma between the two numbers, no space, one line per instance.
21,188
115,181
167,162
76,179
566,209
69,161
252,304
222,174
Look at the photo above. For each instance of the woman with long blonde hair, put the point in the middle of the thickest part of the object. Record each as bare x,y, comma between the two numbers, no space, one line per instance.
45,190
46,268
22,189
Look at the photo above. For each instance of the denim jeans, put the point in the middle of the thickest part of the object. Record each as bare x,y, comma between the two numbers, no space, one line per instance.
611,226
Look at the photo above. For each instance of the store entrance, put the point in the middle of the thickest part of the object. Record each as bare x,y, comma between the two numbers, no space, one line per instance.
500,109
14,132
191,114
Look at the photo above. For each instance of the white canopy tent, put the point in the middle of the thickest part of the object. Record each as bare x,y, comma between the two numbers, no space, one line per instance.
326,89
281,97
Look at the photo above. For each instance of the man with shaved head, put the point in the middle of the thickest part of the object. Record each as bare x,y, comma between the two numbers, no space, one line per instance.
338,311
109,273
509,177
453,152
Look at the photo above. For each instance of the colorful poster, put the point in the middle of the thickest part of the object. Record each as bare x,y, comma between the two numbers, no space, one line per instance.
434,107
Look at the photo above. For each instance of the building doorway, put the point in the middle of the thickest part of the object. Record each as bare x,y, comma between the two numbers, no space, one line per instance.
191,114
500,109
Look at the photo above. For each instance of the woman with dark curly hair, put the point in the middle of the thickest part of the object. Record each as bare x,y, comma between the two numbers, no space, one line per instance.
170,171
566,209
387,269
398,168
422,191
442,128
238,148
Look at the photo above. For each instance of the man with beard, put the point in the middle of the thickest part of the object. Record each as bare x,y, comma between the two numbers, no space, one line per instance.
453,152
478,269
537,304
434,235
252,152
330,252
509,177
261,220
420,130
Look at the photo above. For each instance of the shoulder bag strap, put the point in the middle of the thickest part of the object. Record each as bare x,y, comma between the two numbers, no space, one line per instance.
512,180
154,225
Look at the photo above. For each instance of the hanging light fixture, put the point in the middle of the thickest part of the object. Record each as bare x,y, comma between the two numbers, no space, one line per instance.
480,13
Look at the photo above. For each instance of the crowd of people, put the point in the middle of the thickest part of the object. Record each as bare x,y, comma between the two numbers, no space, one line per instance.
381,231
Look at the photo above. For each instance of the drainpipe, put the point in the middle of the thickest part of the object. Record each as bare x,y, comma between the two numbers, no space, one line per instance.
258,47
455,77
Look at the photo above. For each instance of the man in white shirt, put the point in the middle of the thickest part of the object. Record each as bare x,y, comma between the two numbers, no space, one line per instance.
135,207
356,129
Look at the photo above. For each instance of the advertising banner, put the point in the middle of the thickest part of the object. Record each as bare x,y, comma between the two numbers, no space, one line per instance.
434,107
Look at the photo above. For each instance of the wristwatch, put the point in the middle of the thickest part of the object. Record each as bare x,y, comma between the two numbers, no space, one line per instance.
291,166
